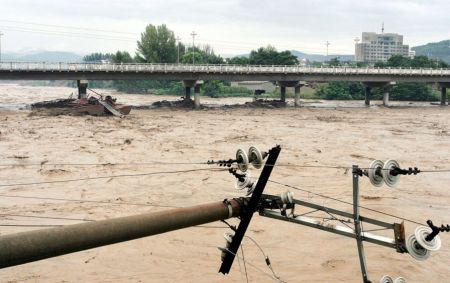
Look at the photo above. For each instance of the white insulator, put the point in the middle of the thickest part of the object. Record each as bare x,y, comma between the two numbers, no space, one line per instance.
287,197
389,179
228,237
386,279
421,233
244,184
415,249
255,156
251,188
399,280
374,173
242,160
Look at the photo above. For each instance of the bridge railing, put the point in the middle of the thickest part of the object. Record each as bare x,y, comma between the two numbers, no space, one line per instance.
220,69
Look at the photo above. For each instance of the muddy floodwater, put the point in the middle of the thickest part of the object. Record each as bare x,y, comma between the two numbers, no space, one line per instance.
38,148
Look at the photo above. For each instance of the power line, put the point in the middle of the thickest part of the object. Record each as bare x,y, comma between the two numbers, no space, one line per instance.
69,27
100,34
346,202
46,217
31,225
266,258
339,167
257,268
109,177
89,201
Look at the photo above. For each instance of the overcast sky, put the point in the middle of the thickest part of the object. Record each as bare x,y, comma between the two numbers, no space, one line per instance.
229,26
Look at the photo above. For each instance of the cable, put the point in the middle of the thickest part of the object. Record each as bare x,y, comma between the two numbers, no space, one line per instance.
102,164
195,163
266,257
88,201
46,217
245,265
29,225
109,177
346,202
68,27
257,268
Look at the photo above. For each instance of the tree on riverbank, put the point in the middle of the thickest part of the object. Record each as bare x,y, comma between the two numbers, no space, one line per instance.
411,91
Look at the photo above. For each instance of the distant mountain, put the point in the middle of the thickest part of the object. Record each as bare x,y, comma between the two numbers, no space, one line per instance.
42,56
435,50
322,58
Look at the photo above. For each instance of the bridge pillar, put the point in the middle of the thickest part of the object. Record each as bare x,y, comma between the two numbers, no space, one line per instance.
443,95
283,85
386,98
187,92
197,94
386,93
82,88
188,84
297,95
283,93
367,93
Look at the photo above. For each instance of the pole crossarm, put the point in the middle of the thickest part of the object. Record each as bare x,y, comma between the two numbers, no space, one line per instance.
270,204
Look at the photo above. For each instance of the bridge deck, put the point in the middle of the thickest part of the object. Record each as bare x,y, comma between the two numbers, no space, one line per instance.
44,70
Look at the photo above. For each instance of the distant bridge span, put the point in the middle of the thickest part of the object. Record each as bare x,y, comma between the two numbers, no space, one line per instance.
286,76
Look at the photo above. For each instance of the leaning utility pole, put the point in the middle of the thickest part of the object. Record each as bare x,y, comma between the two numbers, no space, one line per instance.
35,245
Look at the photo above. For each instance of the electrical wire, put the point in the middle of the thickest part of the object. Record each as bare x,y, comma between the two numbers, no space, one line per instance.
245,265
198,163
266,257
30,225
46,217
224,44
257,268
346,202
89,201
110,177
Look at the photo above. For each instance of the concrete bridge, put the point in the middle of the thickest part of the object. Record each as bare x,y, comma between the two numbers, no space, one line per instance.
191,75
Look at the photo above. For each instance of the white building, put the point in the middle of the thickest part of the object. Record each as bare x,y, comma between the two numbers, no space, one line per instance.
379,47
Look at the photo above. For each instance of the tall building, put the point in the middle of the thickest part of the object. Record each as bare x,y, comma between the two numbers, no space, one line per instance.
379,47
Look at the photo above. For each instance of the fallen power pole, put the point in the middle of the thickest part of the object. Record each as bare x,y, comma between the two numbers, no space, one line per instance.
31,246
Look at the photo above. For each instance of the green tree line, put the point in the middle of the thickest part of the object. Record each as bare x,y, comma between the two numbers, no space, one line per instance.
157,44
411,91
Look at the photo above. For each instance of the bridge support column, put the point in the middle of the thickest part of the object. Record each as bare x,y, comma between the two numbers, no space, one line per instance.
368,86
187,92
283,93
297,95
367,92
197,94
443,96
284,85
188,84
386,98
82,88
297,88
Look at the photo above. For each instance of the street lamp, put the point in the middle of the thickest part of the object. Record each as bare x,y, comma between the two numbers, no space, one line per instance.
178,49
193,47
1,45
